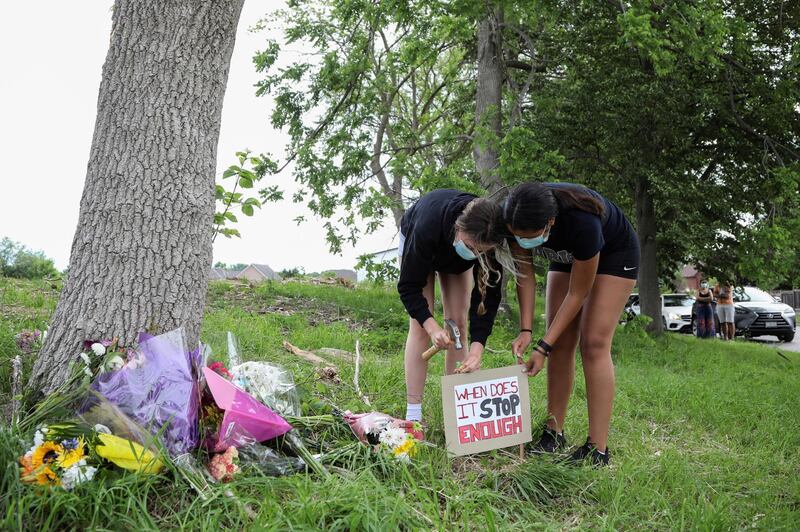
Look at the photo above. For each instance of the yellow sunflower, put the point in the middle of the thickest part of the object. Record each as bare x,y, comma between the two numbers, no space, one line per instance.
45,475
47,453
73,456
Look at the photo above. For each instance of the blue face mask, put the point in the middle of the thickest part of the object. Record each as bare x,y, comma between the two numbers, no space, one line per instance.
530,243
463,251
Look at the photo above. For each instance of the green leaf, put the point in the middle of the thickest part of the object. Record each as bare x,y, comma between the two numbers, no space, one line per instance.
247,209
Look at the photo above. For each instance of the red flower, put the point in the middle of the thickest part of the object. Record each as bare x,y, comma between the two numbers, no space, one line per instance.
218,368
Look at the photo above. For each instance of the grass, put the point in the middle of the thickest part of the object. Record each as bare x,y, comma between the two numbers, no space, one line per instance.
705,434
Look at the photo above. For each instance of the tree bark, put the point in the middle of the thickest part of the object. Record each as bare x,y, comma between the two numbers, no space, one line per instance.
649,293
142,250
488,100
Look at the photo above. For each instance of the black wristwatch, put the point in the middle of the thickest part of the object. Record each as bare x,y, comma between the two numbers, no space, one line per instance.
544,347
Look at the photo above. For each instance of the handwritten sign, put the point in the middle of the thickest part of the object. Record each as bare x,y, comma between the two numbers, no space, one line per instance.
486,410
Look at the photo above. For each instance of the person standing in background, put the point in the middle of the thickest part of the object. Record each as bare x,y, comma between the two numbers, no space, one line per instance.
725,310
705,312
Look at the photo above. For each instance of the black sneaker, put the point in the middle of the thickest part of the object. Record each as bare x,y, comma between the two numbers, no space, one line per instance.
550,442
588,453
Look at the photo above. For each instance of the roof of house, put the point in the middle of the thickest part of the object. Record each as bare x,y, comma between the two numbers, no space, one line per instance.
345,274
264,270
222,273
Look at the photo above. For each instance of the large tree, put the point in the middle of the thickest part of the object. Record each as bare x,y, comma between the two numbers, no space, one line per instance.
142,250
680,112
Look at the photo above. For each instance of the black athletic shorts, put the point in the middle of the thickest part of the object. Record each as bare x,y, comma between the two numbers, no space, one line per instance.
619,263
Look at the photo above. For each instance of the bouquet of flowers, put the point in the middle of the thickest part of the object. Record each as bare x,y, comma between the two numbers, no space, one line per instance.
56,461
382,431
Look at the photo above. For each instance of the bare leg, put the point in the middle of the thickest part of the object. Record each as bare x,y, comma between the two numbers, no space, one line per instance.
561,362
416,343
600,317
456,293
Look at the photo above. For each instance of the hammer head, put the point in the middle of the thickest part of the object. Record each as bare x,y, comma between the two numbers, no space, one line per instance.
455,334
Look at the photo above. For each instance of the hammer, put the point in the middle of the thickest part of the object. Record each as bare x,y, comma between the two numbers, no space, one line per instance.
455,335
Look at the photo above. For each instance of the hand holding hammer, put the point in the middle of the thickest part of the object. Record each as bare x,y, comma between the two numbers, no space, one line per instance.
455,336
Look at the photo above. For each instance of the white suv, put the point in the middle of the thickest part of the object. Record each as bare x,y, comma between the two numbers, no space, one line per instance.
676,311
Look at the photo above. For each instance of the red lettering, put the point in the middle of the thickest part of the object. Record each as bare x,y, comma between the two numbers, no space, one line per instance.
475,393
463,407
488,430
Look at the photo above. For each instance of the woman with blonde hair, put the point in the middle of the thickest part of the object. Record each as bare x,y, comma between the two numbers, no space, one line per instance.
458,238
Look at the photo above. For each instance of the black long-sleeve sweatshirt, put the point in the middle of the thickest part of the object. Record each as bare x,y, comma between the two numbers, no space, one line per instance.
429,230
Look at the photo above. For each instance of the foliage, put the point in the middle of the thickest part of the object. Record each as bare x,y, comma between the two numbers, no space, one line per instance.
239,266
18,261
292,273
379,111
378,272
250,171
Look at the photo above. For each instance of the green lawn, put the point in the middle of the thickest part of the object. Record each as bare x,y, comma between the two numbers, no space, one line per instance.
705,434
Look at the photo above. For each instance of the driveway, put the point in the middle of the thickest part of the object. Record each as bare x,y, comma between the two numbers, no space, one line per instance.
794,345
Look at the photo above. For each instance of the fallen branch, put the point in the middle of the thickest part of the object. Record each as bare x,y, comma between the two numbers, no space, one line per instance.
341,354
355,376
306,355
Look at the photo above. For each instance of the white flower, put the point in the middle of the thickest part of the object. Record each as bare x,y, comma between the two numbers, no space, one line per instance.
85,358
77,474
88,372
99,349
38,438
102,429
403,457
392,437
115,363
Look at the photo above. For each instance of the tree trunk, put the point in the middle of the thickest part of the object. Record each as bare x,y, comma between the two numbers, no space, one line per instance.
488,100
142,251
649,293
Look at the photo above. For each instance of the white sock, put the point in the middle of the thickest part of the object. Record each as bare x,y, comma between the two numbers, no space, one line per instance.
413,412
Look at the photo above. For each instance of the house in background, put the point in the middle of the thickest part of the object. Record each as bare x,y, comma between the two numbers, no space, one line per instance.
386,255
347,275
690,279
219,274
258,273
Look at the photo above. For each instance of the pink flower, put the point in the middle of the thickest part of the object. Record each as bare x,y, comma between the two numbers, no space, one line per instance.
223,466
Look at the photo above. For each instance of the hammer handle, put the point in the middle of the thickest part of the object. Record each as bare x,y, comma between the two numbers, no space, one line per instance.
427,355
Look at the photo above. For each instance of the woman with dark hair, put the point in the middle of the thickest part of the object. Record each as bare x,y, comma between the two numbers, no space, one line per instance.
594,260
448,232
704,313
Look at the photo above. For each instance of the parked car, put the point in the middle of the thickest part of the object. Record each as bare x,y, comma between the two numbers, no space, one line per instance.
676,311
757,313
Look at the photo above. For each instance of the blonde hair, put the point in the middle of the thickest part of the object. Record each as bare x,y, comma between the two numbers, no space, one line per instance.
482,220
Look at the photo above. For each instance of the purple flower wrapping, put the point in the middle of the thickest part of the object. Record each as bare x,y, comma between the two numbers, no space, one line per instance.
161,394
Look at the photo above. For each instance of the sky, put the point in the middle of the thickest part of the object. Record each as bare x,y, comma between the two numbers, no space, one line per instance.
51,57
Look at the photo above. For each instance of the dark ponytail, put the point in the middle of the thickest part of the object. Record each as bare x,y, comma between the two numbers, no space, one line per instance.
530,205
